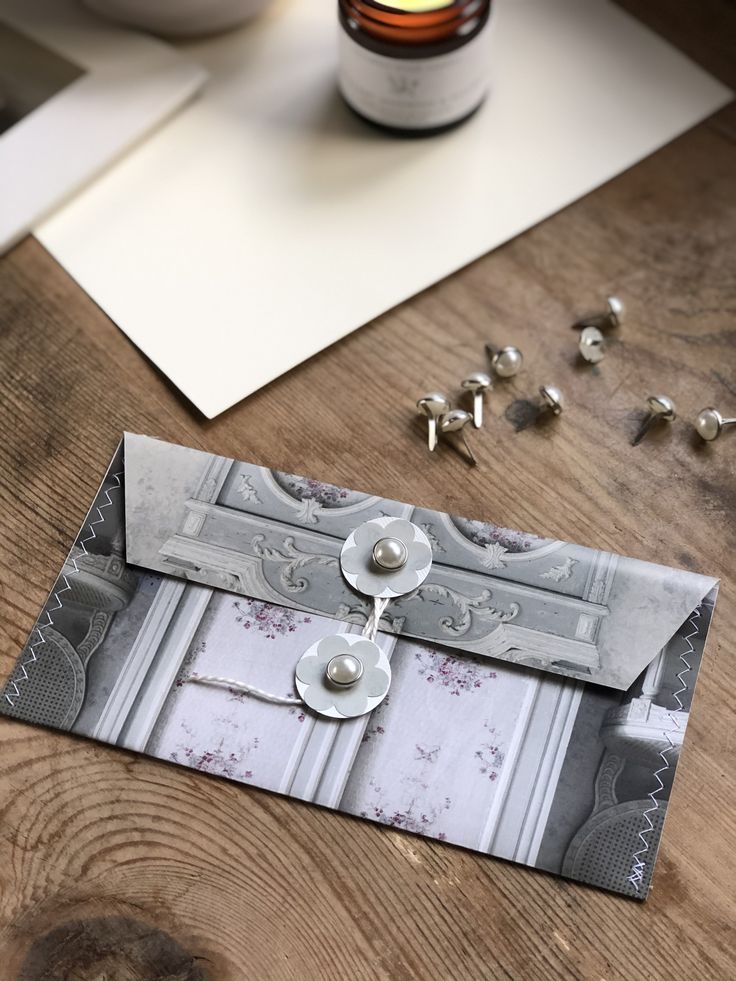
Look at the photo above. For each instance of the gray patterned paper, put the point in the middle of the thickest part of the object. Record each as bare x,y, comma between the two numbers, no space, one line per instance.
579,612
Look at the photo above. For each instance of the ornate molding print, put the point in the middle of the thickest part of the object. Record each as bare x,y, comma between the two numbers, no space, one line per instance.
294,561
559,573
437,546
468,607
569,615
246,490
493,558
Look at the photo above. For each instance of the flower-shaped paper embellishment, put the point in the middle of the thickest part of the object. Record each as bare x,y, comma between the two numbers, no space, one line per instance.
343,676
386,557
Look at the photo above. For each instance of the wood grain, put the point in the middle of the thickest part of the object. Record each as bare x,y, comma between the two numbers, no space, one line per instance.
120,868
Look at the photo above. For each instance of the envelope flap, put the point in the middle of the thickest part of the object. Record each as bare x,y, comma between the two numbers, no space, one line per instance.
583,613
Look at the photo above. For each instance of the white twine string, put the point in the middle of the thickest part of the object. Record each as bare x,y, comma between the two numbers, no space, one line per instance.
369,630
240,686
371,625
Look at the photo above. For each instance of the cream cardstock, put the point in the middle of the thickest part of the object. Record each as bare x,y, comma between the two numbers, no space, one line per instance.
265,222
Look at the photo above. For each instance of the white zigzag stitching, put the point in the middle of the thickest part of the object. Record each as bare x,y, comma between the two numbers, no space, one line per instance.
638,863
13,692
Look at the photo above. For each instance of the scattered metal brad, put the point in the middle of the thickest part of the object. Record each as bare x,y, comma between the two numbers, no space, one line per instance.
661,408
612,316
433,406
455,421
592,345
477,384
552,399
709,424
505,361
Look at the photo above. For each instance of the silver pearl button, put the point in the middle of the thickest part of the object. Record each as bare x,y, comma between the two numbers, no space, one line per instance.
344,670
390,554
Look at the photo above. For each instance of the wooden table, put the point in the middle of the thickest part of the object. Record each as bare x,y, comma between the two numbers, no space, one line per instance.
120,868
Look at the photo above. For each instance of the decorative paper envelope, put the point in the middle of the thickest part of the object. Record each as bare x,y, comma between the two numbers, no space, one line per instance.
539,691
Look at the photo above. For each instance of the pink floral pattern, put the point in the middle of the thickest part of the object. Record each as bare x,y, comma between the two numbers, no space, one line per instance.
298,712
271,620
376,730
305,488
216,759
484,533
427,754
416,815
410,774
490,755
458,674
192,654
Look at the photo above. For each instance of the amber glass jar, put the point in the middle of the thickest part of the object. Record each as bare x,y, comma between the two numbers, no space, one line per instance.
414,66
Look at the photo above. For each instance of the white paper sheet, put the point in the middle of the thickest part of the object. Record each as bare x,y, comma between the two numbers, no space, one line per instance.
265,222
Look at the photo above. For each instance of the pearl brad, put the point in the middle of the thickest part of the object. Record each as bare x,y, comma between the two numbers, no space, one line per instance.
591,345
390,554
507,362
552,399
477,383
344,670
616,310
661,409
710,423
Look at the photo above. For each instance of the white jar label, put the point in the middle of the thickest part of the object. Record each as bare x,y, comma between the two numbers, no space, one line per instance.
414,93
